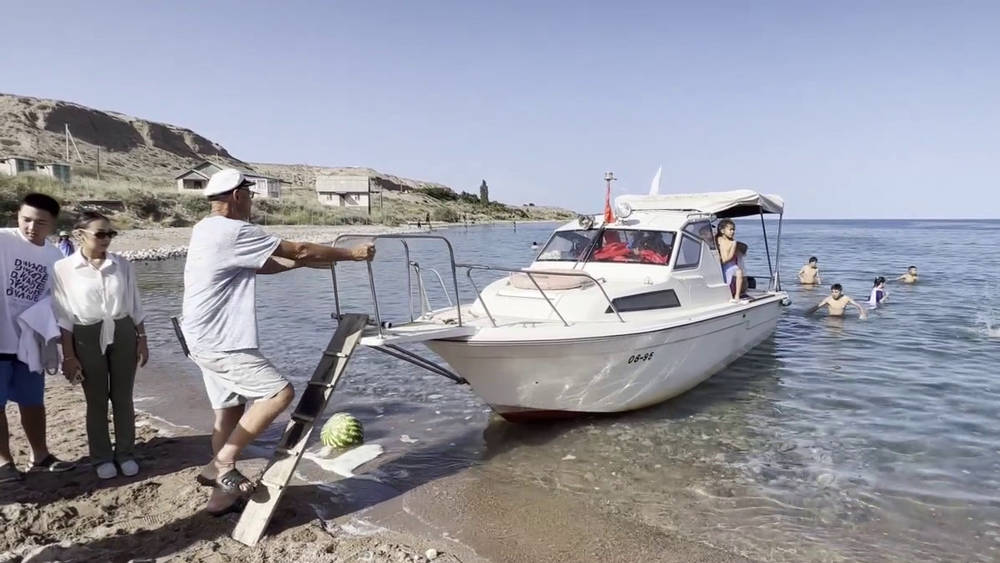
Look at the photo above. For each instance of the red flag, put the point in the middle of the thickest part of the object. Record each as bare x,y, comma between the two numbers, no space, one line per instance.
609,215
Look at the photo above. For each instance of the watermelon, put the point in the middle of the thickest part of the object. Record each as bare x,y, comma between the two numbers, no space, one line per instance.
342,431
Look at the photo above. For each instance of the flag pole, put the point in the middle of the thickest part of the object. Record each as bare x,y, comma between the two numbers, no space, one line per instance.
609,215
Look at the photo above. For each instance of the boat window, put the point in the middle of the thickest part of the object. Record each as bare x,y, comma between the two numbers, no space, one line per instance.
645,301
702,230
567,246
690,253
634,246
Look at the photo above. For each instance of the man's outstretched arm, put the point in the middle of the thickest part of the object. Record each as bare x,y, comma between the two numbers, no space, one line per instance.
291,255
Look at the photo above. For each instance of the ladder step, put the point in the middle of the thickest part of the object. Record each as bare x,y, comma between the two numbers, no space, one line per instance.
269,483
300,417
321,384
335,354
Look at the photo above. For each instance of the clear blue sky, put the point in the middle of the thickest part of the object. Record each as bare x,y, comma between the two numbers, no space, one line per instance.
847,109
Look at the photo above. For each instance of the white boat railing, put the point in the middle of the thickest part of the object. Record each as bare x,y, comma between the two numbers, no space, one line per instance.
469,268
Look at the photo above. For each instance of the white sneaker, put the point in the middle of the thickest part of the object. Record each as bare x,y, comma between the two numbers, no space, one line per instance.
129,467
107,470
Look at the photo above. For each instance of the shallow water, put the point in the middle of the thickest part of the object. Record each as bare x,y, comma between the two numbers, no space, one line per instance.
837,439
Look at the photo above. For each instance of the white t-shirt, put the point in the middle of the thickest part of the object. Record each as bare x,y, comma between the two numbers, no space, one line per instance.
26,278
220,312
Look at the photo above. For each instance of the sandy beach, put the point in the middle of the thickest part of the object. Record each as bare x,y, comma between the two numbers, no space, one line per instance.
157,515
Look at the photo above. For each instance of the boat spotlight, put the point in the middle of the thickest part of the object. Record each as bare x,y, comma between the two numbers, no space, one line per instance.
624,209
585,221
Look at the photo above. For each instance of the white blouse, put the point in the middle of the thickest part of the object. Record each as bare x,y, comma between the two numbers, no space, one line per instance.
86,295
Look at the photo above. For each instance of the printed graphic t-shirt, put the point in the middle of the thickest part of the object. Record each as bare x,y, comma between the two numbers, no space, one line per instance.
220,312
26,270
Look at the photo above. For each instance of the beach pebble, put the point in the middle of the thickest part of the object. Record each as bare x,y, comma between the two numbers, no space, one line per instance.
431,554
568,457
405,438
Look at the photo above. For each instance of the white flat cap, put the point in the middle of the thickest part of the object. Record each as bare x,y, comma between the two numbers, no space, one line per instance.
226,180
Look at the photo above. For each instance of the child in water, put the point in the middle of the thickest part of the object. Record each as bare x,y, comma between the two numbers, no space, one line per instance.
878,295
910,276
837,303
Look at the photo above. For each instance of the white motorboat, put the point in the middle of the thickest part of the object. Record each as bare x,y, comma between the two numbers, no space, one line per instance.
613,314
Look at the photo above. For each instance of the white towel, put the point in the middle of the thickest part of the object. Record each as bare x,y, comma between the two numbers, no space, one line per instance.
39,333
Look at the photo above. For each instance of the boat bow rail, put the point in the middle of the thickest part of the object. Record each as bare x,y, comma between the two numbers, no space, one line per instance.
423,327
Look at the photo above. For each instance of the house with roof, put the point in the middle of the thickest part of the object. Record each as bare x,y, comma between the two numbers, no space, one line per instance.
193,180
346,190
14,165
58,170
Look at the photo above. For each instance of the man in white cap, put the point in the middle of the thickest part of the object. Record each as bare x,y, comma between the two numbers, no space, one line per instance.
220,324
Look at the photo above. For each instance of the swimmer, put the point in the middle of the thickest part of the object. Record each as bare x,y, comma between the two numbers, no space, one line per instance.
878,295
534,245
909,277
837,303
809,274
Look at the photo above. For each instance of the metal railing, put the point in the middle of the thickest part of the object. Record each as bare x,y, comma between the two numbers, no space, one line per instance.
531,276
402,237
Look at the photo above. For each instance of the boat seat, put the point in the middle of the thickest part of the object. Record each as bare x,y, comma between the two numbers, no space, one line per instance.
548,282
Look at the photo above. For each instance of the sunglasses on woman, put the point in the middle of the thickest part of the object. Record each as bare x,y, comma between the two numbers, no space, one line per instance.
101,235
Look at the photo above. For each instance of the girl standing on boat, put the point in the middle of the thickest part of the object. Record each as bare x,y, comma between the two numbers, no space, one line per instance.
878,295
96,301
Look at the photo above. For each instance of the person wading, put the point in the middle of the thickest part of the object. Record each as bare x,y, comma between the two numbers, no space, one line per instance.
97,304
219,322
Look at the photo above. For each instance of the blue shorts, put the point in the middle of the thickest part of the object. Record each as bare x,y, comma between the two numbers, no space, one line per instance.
20,385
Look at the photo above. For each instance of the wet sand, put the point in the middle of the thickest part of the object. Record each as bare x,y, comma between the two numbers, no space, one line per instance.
157,515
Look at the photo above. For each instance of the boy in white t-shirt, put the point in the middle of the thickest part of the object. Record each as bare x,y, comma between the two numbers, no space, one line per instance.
26,260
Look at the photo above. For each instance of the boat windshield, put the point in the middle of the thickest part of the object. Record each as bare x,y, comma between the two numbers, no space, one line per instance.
567,246
635,246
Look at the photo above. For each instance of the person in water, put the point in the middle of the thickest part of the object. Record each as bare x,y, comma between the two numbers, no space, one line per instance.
909,277
809,274
727,254
878,296
837,303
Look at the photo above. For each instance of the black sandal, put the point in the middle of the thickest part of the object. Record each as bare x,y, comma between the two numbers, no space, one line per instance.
237,507
9,473
204,481
232,482
52,464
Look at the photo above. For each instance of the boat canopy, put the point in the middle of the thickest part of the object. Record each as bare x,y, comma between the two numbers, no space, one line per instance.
735,203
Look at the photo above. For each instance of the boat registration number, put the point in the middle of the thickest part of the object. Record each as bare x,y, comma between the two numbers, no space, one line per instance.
635,358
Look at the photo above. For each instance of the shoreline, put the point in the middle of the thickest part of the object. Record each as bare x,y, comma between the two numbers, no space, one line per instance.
473,515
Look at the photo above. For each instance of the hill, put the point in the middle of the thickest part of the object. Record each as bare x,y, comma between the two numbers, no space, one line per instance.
139,159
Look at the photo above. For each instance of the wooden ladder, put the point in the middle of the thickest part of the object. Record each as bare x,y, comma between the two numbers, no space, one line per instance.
287,454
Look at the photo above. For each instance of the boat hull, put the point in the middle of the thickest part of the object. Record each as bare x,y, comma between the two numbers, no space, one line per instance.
541,379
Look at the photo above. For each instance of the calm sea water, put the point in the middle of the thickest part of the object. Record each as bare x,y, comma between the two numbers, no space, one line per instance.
837,439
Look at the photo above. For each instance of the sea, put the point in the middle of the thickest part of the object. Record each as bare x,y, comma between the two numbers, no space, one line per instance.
837,439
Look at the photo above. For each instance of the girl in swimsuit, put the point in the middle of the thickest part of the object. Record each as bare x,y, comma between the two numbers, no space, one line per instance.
878,295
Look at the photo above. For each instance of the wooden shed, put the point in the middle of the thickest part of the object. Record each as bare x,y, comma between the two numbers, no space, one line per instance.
58,170
14,165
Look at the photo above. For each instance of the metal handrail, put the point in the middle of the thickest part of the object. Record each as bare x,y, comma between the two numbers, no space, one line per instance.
402,237
530,273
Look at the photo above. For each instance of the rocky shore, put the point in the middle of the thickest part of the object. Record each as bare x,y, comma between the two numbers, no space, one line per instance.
147,245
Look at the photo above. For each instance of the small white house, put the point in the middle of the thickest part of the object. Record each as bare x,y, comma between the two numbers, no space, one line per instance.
14,165
344,190
58,170
194,180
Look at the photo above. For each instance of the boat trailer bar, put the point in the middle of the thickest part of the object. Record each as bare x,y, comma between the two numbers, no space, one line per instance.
401,353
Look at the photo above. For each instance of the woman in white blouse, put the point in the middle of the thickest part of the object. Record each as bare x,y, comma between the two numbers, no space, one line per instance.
97,304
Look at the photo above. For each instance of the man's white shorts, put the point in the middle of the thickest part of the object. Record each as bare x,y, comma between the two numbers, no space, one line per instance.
232,378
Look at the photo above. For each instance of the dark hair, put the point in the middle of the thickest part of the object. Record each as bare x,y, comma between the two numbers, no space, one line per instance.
912,268
88,217
723,223
43,202
837,286
813,259
879,280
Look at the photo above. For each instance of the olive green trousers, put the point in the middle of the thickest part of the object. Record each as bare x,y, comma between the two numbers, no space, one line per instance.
107,375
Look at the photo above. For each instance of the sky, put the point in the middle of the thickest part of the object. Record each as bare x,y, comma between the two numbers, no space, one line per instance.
853,109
